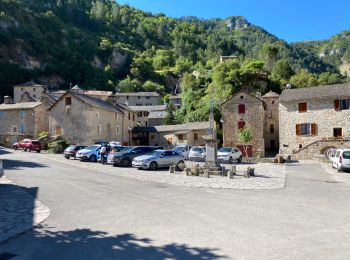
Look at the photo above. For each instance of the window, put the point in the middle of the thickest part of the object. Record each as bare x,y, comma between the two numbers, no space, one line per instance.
67,110
98,114
146,123
344,104
22,129
337,132
139,114
117,130
34,96
153,137
306,129
127,97
147,97
14,129
241,108
99,130
138,97
241,124
302,107
145,113
108,128
241,97
23,114
272,129
2,115
68,101
34,89
129,116
116,116
133,117
180,137
273,102
22,89
58,130
195,136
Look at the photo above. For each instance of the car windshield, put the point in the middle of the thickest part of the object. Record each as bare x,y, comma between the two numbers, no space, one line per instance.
346,155
128,150
197,149
225,150
154,153
179,148
93,147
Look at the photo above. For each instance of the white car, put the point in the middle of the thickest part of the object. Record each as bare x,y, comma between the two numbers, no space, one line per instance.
197,153
183,149
229,154
341,160
89,153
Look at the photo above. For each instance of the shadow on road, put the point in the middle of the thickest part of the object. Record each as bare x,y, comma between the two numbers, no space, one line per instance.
88,244
17,164
3,151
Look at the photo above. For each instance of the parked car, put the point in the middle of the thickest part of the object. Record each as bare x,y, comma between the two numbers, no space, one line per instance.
28,145
197,153
71,151
183,149
341,160
89,154
159,159
126,156
115,143
229,154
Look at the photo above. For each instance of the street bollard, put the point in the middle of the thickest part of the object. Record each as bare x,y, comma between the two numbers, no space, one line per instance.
206,173
172,169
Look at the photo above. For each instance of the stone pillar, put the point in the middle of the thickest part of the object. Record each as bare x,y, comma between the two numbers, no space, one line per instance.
211,147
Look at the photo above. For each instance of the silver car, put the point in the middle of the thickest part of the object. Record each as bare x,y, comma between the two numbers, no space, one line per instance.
197,153
159,159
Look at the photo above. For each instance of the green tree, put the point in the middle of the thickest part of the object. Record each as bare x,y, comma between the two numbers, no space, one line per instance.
163,59
152,86
170,118
282,72
328,78
183,65
269,53
245,135
303,79
129,85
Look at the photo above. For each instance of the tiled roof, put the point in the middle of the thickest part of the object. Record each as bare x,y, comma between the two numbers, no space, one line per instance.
183,127
98,93
157,114
30,83
141,94
97,102
319,92
148,108
271,94
24,105
175,96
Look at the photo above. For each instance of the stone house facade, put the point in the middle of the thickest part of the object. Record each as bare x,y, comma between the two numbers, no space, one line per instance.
27,118
314,119
83,119
260,114
143,113
138,98
34,90
171,135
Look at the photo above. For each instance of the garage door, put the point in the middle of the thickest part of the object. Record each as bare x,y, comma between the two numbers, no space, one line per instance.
249,150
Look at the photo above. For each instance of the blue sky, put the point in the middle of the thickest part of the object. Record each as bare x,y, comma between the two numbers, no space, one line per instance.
291,20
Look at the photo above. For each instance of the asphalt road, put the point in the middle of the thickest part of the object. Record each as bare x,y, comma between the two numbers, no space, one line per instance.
100,216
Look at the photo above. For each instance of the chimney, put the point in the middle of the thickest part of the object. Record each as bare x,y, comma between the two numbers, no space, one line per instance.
8,100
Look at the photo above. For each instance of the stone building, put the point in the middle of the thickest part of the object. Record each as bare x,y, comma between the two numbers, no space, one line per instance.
33,89
83,119
260,114
144,113
176,100
138,98
314,119
27,119
171,135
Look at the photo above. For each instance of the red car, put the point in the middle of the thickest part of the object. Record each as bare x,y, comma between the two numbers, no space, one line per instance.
28,145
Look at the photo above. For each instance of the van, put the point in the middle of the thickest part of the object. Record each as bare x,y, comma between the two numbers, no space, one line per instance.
341,160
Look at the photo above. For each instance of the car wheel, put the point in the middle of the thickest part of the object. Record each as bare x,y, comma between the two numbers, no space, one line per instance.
153,166
25,149
181,165
29,149
15,147
67,157
125,162
230,160
38,151
239,159
93,158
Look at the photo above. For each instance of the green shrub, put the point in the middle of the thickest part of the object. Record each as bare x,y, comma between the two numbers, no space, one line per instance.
43,134
57,146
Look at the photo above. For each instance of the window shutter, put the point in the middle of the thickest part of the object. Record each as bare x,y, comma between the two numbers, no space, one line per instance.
313,129
241,124
298,129
241,108
337,105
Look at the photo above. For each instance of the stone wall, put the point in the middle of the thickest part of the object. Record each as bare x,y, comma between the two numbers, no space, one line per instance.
319,112
271,123
168,139
254,117
80,125
34,91
11,121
